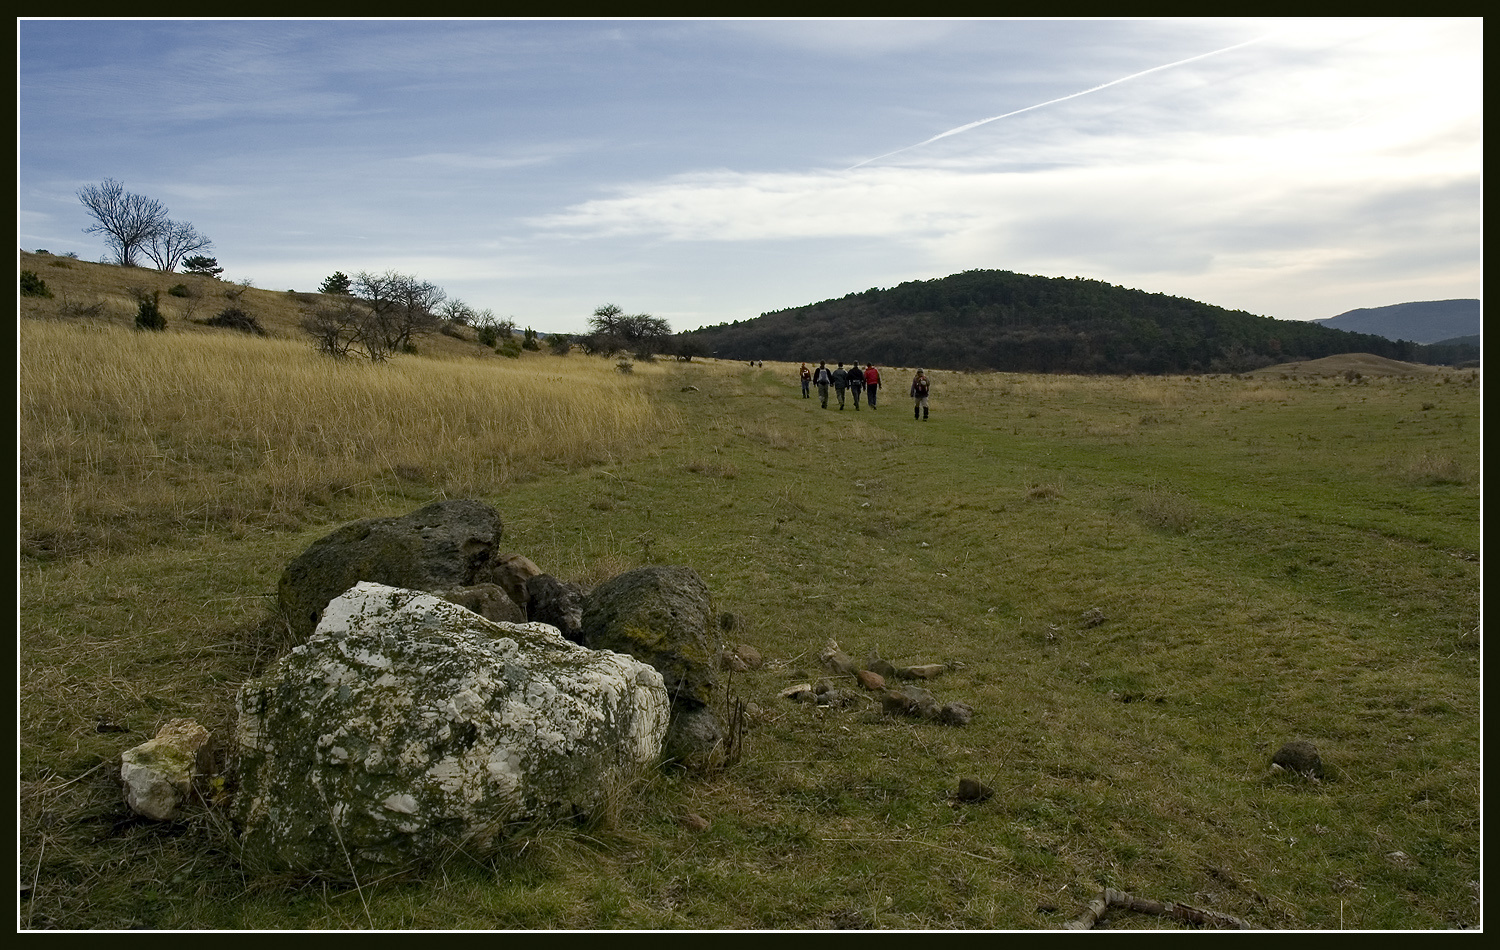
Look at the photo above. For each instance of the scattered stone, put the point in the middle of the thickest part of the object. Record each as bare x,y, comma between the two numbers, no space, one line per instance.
158,774
837,661
838,698
407,727
869,680
749,656
801,693
876,665
693,821
973,790
924,672
1299,756
956,714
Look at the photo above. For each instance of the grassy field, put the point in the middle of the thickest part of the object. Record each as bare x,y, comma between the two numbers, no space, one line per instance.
1143,587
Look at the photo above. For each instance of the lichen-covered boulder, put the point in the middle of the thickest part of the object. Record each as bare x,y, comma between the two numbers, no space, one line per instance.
447,544
407,727
660,615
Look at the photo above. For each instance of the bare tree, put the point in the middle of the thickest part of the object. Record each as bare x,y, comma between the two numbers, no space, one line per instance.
127,220
402,307
174,241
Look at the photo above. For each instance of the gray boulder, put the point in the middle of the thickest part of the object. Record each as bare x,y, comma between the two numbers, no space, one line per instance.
444,545
407,727
555,602
659,615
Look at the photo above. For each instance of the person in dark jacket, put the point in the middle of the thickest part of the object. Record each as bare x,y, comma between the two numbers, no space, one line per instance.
919,389
806,376
840,383
856,384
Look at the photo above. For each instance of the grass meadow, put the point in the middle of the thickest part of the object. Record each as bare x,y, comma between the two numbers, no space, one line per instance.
1142,587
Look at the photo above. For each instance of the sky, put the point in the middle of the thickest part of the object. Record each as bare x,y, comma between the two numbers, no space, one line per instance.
710,170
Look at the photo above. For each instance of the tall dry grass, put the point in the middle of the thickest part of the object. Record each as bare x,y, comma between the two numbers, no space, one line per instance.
128,438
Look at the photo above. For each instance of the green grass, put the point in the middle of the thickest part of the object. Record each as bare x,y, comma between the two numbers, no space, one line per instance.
1271,559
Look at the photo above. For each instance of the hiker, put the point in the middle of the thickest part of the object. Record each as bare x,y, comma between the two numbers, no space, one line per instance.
806,380
919,388
872,383
822,378
840,383
856,384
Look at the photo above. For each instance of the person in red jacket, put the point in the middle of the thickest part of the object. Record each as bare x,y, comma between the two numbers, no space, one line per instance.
872,383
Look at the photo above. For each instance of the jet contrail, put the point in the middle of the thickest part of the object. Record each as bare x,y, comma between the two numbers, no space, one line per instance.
1075,95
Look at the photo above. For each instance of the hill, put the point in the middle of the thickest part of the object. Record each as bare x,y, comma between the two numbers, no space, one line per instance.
999,320
1422,321
107,293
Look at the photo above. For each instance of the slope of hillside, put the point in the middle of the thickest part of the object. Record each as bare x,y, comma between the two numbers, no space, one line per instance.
106,293
999,320
1422,321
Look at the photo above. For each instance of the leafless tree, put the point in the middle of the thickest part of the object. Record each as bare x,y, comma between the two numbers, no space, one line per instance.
402,307
128,221
173,242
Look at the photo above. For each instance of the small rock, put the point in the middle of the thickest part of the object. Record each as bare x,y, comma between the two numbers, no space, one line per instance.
835,660
973,790
693,821
876,665
956,714
158,774
1300,756
925,672
869,680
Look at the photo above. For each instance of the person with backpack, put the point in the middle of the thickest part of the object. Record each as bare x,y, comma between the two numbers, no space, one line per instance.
919,389
872,383
856,384
806,375
840,383
822,378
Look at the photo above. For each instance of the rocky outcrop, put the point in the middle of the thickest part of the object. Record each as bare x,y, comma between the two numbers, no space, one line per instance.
407,727
445,545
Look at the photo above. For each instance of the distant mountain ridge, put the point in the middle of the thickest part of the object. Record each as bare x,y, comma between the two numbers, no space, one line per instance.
1421,321
1000,320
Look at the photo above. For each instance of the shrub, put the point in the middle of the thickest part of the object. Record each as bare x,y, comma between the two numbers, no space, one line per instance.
33,286
179,290
148,315
488,336
234,318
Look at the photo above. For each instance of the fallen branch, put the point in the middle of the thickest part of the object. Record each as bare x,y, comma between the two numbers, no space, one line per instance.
1100,906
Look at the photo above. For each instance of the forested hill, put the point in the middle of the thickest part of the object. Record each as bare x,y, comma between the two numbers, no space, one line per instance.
999,320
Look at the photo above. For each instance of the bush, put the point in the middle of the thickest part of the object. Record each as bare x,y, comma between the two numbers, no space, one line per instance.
148,315
488,336
33,286
234,318
179,290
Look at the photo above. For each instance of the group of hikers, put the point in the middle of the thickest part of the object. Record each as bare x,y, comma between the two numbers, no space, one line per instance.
857,382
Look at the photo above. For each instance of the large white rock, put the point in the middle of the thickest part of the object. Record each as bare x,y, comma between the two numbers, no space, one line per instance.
408,727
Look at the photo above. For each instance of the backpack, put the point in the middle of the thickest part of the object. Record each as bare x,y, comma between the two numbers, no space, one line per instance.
919,387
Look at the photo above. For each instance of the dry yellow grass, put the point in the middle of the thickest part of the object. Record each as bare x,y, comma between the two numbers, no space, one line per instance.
152,434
